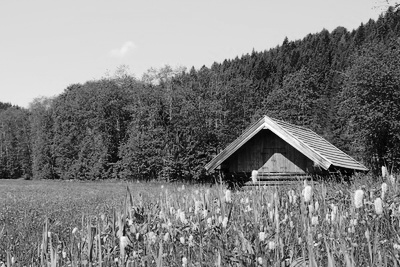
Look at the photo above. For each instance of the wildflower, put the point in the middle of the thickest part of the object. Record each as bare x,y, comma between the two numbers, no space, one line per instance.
228,196
182,240
162,186
316,205
259,260
74,230
367,234
314,220
209,221
307,193
12,261
271,214
184,261
64,254
123,242
290,197
190,241
178,214
220,219
392,179
205,212
130,221
261,236
152,237
384,190
358,198
248,208
311,208
378,206
271,245
225,222
197,206
183,187
182,217
190,209
49,234
254,175
294,196
396,246
291,224
166,237
137,236
384,171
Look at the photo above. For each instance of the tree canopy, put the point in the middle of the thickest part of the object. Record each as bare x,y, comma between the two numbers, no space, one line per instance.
343,84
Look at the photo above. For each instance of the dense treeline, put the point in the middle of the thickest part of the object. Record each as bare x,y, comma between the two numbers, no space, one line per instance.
343,85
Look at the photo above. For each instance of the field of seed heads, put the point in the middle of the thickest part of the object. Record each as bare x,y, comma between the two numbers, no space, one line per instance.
48,223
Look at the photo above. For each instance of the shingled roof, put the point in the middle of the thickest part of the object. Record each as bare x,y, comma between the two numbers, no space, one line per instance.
313,146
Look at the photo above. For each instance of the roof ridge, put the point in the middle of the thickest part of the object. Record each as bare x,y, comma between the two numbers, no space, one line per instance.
291,124
300,140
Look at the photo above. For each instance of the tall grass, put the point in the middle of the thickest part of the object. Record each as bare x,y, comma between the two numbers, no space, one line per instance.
199,226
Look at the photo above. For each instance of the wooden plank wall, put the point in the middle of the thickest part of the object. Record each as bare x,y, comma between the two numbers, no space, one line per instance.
268,153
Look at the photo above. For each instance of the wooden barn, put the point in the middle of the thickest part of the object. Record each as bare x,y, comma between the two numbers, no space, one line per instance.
281,152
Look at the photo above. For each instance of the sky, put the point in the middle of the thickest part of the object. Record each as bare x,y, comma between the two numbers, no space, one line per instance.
47,45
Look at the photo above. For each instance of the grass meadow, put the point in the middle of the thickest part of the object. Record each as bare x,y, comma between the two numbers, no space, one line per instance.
60,223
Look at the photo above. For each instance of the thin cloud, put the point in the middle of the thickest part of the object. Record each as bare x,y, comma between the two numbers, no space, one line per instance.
123,50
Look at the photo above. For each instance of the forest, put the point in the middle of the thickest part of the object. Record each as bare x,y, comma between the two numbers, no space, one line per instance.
344,85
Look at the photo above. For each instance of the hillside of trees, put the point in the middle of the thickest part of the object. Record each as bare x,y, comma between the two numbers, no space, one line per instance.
344,85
